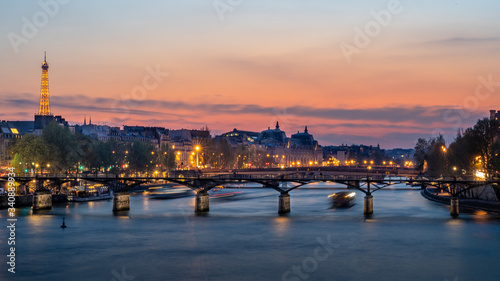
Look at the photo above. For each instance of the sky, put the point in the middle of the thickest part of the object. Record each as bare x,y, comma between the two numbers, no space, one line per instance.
354,72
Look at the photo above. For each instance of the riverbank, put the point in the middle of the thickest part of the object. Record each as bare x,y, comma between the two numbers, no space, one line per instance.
444,198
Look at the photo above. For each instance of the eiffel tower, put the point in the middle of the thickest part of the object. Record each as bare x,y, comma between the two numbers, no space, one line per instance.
44,109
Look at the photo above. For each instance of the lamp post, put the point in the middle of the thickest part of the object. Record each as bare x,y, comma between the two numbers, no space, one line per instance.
197,148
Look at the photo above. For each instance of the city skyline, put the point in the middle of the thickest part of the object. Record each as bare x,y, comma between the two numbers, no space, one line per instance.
256,64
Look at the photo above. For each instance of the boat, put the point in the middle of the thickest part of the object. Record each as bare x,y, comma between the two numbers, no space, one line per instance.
226,195
89,193
343,199
170,192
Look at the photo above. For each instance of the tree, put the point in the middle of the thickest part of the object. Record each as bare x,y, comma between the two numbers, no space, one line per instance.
63,146
167,157
475,148
31,150
485,133
219,154
88,157
140,157
462,153
432,153
242,156
421,149
17,163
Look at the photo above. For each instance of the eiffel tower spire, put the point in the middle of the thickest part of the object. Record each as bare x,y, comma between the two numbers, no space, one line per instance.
44,108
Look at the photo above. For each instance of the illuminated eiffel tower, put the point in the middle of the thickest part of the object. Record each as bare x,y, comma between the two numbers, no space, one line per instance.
44,116
44,109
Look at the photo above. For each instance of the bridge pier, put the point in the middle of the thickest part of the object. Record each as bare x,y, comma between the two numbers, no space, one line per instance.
454,210
284,203
121,201
202,203
368,208
42,200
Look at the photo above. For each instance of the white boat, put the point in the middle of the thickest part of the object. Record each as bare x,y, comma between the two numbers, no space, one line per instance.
343,199
170,193
93,193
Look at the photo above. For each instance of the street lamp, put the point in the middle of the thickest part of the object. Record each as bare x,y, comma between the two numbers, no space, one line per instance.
197,148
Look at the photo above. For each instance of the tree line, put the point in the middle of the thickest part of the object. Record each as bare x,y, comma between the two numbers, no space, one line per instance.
474,149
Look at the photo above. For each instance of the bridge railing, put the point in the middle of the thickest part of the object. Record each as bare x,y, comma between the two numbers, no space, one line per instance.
266,176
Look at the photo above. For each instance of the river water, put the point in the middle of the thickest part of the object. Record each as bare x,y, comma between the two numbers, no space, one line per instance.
243,238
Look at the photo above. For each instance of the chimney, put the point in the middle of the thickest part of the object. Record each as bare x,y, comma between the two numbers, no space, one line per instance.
492,114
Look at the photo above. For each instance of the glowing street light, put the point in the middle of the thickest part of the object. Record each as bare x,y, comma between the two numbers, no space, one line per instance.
197,148
443,148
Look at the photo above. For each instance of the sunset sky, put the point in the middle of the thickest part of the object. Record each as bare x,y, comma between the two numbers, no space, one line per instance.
424,70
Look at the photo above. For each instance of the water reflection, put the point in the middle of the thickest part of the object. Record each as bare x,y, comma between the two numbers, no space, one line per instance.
281,225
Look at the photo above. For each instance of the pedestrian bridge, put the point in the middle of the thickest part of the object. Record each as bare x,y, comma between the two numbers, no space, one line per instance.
284,183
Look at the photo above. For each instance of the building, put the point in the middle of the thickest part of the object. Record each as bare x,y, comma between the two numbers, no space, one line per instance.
155,136
239,137
354,155
279,150
8,133
494,115
188,145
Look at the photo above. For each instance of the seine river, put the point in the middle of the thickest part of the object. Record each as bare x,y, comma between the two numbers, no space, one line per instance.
407,238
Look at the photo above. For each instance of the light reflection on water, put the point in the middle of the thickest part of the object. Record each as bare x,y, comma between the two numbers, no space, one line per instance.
408,238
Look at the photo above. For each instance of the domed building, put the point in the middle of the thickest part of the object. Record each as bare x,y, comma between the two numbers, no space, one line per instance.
278,150
303,139
273,137
299,150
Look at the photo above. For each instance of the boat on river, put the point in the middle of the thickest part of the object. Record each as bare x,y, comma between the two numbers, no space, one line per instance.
167,192
89,193
343,199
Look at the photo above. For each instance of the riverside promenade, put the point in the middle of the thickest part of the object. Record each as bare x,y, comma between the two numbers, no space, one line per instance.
438,195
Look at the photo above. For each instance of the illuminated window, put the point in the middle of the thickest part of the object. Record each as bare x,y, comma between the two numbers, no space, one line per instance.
14,131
